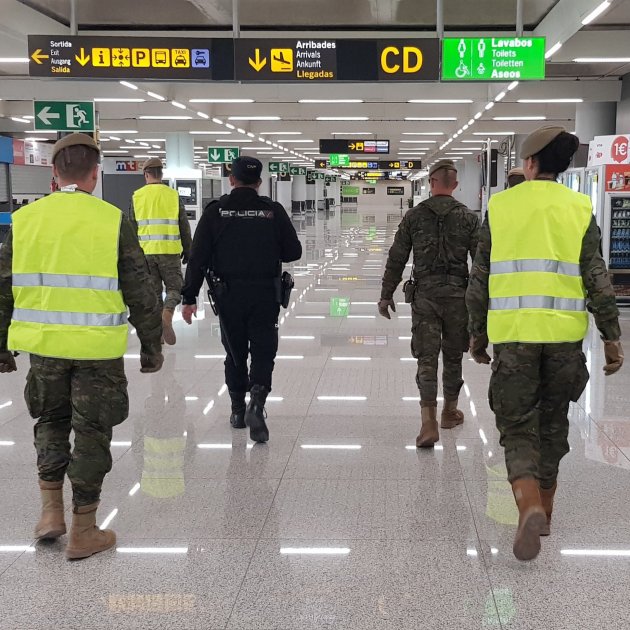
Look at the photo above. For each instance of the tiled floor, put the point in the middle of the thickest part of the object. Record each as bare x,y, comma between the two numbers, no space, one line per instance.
338,522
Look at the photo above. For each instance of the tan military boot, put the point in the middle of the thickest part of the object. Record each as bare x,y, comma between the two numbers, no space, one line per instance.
546,497
51,524
429,433
86,538
451,416
532,518
168,333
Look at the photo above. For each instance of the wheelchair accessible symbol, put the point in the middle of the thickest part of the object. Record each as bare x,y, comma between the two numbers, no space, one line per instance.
200,58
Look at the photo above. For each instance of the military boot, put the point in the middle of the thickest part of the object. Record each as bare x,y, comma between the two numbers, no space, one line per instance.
546,497
255,414
168,333
451,416
429,433
86,538
237,419
51,523
532,518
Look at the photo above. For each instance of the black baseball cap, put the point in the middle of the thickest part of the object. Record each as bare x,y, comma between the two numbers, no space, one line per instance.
247,169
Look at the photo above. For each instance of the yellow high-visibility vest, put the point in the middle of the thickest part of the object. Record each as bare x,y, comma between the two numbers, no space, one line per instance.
67,300
156,207
536,290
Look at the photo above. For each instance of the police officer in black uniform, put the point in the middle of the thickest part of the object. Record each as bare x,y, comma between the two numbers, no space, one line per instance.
241,241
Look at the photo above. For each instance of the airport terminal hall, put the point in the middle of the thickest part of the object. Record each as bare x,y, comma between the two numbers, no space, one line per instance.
313,314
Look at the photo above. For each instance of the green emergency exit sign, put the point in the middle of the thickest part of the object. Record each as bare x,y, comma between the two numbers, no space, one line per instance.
493,58
339,159
339,307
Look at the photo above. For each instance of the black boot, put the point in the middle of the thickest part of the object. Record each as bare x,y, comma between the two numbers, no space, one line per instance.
237,419
255,414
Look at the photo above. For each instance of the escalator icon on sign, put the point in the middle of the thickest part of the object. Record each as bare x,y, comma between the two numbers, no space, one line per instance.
282,60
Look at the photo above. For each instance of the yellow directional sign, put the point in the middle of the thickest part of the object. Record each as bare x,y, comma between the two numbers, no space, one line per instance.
258,64
38,57
83,59
282,60
102,57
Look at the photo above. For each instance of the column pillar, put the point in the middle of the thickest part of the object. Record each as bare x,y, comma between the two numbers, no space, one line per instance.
180,150
623,108
298,192
320,184
283,193
595,119
311,194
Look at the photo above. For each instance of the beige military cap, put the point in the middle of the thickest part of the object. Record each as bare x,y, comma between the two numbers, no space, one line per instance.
516,171
72,140
153,162
440,164
539,139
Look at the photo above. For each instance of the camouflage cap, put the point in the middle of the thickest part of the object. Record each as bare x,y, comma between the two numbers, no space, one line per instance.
153,162
440,164
539,139
72,140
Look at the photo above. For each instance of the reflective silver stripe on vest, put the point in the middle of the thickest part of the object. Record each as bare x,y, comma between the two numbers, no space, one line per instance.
66,281
536,301
535,264
159,222
158,237
69,319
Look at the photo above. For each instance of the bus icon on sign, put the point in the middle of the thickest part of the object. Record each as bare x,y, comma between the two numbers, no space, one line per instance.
200,58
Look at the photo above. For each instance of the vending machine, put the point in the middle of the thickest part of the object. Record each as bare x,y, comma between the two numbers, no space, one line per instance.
616,242
574,179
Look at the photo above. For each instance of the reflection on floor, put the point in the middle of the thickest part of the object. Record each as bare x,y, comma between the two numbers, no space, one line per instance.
338,522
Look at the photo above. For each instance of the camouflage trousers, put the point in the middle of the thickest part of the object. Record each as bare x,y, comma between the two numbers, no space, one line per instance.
439,324
530,390
87,397
166,273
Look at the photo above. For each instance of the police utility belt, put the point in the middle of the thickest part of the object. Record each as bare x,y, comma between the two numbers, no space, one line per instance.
218,288
410,286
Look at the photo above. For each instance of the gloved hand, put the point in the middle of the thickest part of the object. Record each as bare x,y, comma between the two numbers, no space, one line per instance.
188,311
478,347
184,259
384,306
151,362
614,356
7,363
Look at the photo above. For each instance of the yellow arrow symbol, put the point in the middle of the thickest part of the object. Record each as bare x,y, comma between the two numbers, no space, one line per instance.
351,146
83,59
37,56
258,64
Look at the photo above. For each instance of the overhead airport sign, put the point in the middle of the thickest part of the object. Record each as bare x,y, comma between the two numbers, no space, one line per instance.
493,58
385,165
278,167
311,60
339,159
353,146
130,57
297,170
222,155
64,115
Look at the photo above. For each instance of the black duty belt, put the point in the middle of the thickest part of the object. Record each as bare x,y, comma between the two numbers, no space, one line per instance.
442,277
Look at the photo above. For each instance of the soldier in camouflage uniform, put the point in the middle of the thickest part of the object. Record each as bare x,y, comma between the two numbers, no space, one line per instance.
88,397
442,233
533,382
165,269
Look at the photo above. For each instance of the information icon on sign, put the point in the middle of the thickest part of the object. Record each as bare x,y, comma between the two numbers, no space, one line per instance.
200,58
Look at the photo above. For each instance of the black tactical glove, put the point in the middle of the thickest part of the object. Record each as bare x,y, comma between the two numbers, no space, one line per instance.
184,259
151,362
384,306
7,363
478,346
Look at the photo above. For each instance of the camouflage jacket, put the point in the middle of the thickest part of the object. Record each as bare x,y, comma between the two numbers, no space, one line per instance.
184,228
601,296
442,232
134,280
